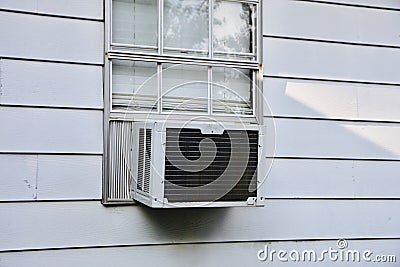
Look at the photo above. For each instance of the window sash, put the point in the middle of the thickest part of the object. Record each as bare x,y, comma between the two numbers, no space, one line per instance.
209,53
206,105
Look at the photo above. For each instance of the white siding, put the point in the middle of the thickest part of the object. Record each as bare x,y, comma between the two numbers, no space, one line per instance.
50,130
331,22
331,100
80,224
394,4
50,38
336,139
18,177
50,84
69,177
314,178
196,255
92,9
49,177
307,59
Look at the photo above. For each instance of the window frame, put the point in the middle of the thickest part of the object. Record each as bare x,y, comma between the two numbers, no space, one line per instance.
159,49
119,54
158,56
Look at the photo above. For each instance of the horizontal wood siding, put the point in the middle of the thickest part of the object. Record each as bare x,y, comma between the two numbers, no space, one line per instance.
90,9
50,38
50,84
331,22
65,224
46,130
228,254
307,59
34,177
69,177
331,100
392,4
313,178
18,177
336,139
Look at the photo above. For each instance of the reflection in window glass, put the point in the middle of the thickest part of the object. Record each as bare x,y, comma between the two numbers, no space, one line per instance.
184,88
134,85
231,90
186,24
134,22
232,27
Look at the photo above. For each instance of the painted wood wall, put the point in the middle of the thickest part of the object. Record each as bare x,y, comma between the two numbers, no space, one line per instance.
331,78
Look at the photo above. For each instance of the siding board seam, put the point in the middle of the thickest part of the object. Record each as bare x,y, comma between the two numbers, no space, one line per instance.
52,61
330,119
197,243
330,41
49,107
50,15
51,153
50,200
350,5
333,158
289,198
328,80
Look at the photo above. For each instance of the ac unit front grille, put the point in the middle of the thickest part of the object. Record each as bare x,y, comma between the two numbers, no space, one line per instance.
198,171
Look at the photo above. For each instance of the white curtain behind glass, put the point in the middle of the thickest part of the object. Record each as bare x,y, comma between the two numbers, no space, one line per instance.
185,88
231,90
134,22
134,85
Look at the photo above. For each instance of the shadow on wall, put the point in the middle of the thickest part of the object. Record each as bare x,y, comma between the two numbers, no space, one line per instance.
185,223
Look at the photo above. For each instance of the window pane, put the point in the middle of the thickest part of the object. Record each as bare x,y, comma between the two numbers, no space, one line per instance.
232,90
186,24
134,85
134,22
232,27
185,88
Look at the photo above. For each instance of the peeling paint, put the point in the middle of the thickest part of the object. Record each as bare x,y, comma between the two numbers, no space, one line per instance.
28,184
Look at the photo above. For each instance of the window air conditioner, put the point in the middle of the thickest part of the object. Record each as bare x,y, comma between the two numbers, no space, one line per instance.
196,164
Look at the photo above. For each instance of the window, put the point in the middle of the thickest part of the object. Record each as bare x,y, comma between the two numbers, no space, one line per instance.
183,56
175,59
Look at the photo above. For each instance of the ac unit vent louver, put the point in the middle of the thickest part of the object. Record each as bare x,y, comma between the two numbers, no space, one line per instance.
120,163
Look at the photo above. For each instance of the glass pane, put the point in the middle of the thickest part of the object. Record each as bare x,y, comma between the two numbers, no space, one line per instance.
134,22
186,24
184,88
134,85
232,90
232,27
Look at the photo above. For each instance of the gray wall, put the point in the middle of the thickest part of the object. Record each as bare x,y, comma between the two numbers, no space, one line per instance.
331,78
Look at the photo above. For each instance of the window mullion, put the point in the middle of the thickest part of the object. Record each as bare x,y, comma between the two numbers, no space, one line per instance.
159,89
160,26
209,90
210,28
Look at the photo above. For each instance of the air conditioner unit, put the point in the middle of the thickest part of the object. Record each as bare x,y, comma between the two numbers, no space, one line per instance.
196,164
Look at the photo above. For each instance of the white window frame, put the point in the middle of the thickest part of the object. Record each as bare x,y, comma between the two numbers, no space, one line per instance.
112,51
